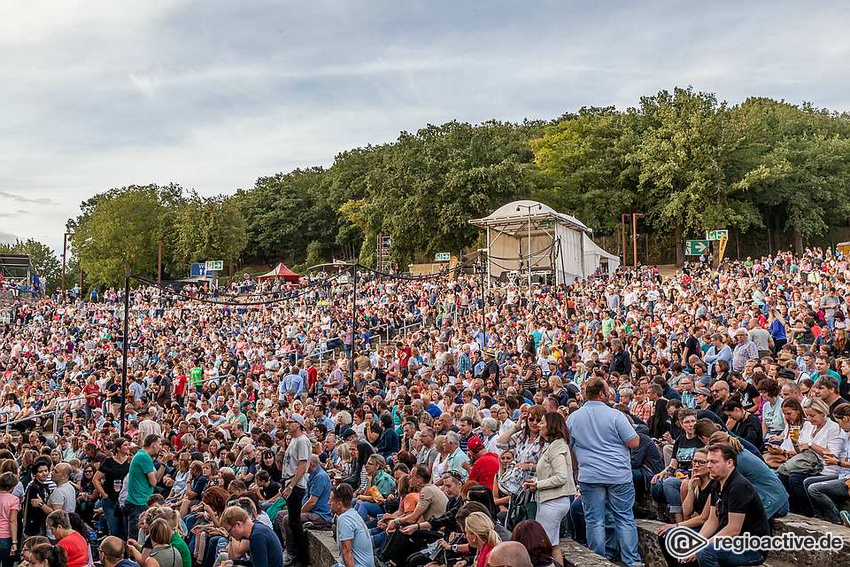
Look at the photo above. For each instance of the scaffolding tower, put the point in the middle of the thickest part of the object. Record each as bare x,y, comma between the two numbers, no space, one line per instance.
385,244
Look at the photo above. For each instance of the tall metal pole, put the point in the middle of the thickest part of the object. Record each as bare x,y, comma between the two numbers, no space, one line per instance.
353,320
159,263
623,223
64,255
529,254
124,355
634,237
483,303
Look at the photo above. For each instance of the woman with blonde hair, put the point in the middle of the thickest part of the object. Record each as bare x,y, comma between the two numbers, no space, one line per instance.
380,484
482,536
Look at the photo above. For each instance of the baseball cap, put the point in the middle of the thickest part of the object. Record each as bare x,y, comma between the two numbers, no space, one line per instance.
475,444
297,419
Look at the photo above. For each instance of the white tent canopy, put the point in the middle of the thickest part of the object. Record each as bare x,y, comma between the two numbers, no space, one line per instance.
555,244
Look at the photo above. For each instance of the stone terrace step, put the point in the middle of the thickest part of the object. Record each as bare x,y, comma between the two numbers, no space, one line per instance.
651,552
577,555
322,548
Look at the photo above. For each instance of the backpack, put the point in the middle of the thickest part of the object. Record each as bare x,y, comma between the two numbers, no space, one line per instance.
522,506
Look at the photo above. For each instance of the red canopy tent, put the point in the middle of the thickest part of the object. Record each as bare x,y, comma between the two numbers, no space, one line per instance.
282,272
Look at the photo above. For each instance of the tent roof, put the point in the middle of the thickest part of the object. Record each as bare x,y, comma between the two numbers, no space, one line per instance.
591,248
280,271
514,216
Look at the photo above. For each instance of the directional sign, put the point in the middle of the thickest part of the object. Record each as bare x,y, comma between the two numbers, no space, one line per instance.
442,257
198,270
696,247
717,234
214,265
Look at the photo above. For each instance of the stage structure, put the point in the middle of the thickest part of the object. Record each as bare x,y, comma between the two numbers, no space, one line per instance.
530,241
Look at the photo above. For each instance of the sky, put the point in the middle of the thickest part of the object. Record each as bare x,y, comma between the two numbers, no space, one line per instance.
214,94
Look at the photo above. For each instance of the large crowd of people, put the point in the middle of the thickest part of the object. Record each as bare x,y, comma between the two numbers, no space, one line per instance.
473,430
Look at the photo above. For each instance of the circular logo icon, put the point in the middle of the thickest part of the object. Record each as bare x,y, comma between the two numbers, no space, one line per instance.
682,543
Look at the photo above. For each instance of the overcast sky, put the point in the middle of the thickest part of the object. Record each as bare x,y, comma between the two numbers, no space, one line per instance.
212,94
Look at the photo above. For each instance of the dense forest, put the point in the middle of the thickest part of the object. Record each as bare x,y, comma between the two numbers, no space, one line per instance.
686,161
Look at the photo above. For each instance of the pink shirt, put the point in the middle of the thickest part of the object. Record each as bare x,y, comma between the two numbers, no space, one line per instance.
8,502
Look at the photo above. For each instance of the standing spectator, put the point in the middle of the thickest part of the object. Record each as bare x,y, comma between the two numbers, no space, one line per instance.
294,481
10,505
315,509
64,496
601,438
108,482
141,480
352,535
35,498
555,484
745,350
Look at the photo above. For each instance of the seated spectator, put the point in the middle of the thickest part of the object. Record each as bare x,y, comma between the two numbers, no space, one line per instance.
828,492
732,509
743,423
666,485
778,447
819,436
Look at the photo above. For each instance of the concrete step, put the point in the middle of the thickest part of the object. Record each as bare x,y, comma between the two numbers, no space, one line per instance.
577,555
323,550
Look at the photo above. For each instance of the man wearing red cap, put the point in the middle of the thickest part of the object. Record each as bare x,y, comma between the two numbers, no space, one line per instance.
485,465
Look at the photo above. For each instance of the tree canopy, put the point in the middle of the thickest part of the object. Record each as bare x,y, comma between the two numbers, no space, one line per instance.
688,162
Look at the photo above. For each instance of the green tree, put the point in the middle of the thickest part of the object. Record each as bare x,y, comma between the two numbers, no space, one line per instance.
211,228
45,262
583,165
119,230
799,162
683,158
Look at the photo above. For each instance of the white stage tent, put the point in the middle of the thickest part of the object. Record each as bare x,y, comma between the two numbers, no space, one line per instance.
560,244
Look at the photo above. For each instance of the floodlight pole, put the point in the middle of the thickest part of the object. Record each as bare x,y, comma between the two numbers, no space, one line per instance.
353,320
124,344
483,269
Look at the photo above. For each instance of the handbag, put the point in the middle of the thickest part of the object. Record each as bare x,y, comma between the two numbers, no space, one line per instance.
521,507
808,463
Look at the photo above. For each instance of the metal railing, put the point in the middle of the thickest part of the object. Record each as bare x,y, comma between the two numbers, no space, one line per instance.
56,412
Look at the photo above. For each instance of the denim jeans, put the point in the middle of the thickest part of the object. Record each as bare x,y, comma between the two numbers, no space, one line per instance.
824,492
366,509
710,557
667,491
114,520
6,558
132,513
612,502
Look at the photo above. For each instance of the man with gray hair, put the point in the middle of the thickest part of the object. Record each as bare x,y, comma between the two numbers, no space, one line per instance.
456,458
745,350
489,433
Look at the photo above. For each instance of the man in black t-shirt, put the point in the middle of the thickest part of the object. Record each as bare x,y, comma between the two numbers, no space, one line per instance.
736,509
750,399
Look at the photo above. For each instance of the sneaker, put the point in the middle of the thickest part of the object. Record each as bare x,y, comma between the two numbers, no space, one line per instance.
845,517
288,559
308,525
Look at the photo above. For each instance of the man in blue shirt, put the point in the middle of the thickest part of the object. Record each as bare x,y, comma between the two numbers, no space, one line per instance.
264,546
601,438
315,511
352,535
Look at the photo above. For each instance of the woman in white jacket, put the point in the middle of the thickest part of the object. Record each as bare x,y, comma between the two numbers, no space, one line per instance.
555,484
